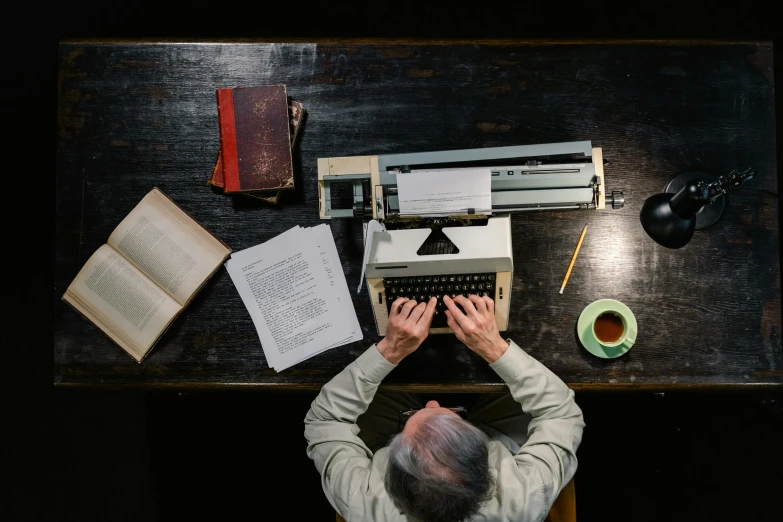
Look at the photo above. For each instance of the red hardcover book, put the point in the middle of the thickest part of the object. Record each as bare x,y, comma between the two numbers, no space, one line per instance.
296,113
262,140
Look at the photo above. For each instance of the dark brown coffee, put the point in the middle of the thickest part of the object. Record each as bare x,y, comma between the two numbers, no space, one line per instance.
608,327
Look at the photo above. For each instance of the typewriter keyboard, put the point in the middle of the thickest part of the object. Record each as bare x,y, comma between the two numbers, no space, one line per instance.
422,288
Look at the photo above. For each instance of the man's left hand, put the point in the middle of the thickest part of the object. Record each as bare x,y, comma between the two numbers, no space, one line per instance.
409,324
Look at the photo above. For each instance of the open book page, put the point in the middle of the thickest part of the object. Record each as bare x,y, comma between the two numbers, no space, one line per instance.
122,301
285,288
168,246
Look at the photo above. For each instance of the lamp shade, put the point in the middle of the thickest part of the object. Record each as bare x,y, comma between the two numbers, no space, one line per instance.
663,225
670,219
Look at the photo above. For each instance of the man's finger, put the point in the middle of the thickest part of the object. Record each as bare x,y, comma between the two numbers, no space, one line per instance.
481,306
429,312
396,305
490,304
470,309
406,308
417,312
457,314
452,323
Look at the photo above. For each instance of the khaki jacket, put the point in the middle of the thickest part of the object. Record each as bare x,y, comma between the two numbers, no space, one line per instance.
527,482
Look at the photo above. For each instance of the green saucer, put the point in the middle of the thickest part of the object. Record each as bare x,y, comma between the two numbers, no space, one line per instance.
584,328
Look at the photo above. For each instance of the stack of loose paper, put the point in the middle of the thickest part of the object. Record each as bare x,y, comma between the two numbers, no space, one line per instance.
295,290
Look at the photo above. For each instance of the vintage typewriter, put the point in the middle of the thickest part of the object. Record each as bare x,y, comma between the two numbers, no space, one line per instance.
419,256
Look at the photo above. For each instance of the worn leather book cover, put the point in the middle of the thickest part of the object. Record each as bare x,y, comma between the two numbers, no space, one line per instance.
296,116
263,141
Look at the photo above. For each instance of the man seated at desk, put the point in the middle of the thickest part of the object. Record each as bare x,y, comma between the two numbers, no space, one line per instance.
508,463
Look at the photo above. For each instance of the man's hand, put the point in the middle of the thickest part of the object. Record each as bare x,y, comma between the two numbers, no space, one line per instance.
409,324
476,327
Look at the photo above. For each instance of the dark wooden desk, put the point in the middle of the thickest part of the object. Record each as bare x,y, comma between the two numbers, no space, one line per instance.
135,115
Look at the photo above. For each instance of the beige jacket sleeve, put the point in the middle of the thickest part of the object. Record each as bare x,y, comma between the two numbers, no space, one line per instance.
547,461
340,456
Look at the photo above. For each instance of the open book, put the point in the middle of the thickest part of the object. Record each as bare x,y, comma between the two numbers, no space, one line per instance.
154,263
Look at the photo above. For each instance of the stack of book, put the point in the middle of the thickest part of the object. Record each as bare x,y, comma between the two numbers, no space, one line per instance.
258,129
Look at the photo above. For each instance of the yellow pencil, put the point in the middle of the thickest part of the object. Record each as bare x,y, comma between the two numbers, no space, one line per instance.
573,258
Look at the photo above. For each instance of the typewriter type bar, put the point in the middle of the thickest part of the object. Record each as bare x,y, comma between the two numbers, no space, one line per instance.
551,176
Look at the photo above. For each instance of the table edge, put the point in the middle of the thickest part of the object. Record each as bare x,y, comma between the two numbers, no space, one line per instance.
412,41
428,388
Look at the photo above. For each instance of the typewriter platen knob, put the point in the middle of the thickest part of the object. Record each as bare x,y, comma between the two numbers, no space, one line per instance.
617,199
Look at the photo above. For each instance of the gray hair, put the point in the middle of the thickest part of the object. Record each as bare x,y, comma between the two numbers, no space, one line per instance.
440,473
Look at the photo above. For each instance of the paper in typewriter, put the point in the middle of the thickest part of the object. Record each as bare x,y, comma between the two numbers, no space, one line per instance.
441,192
296,294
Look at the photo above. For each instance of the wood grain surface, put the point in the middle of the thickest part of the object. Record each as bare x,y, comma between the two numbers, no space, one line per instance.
136,115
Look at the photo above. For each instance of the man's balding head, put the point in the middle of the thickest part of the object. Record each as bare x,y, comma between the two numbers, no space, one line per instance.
439,467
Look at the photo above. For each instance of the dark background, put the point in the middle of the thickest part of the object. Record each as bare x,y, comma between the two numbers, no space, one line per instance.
101,455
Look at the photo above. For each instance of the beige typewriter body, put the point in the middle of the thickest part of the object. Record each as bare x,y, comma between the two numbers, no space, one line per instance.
552,176
482,249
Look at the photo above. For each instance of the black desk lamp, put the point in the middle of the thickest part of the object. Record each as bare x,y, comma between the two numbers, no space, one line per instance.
691,201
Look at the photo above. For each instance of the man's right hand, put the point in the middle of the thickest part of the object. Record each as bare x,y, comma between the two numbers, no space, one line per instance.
409,324
476,327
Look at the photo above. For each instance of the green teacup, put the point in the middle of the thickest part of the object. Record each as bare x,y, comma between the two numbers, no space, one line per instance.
607,328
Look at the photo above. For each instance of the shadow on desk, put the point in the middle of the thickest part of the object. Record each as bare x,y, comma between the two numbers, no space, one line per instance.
166,456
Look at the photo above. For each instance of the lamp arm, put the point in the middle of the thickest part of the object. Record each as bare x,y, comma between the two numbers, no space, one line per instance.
729,182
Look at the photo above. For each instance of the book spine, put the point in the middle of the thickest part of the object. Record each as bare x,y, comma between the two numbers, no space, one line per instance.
228,140
297,114
217,179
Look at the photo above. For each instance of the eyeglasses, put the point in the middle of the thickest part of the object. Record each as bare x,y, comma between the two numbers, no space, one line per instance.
403,417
